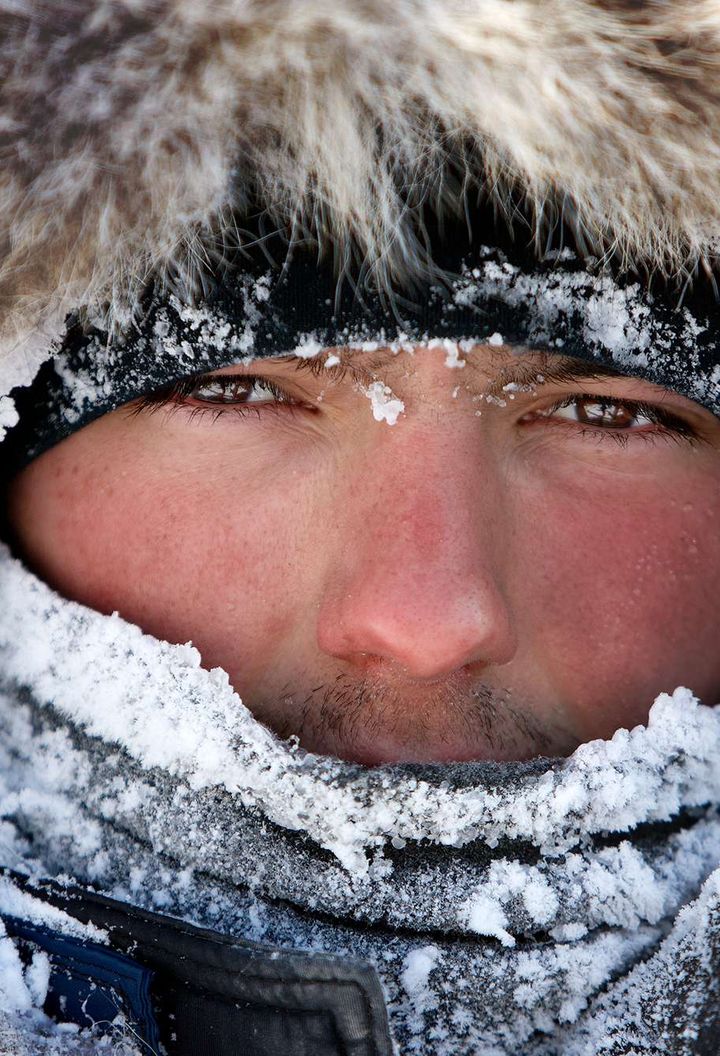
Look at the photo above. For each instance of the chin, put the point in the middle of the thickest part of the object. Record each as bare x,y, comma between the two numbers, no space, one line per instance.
391,751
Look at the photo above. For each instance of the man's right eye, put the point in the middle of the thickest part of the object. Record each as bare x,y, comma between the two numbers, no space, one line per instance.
231,389
219,393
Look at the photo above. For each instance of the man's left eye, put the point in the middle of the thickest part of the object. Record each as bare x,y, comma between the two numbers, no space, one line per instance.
605,413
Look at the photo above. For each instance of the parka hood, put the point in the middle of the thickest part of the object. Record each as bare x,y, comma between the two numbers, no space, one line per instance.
139,136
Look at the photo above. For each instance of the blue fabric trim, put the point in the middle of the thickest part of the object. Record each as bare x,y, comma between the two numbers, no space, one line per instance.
91,984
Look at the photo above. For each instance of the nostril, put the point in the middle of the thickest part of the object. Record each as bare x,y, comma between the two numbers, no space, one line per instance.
424,647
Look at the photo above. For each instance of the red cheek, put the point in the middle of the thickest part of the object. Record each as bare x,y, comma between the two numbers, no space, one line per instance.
629,582
189,557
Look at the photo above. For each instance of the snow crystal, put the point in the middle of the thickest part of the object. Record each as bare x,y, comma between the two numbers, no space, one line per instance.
415,977
8,415
486,917
453,358
496,339
386,407
569,932
308,347
15,994
37,977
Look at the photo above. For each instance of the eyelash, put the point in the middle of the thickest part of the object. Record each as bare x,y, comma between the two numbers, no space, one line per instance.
671,427
172,398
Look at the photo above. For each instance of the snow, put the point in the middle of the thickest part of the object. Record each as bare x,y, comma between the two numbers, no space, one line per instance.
453,358
419,963
614,320
15,995
386,407
486,917
37,978
165,794
8,415
16,902
308,347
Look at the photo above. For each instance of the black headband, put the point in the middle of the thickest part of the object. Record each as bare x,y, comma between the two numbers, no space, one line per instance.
259,309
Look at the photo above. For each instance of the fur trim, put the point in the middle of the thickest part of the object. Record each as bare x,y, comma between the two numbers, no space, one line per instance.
134,132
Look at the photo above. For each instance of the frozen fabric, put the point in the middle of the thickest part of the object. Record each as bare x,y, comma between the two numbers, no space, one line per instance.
553,907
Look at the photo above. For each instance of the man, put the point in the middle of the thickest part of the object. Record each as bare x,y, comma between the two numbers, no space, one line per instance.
272,528
446,585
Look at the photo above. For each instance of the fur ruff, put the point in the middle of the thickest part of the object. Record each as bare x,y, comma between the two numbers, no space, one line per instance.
135,132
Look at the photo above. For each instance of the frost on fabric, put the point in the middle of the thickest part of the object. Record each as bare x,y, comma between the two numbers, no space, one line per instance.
192,338
24,1028
166,711
8,415
613,320
131,767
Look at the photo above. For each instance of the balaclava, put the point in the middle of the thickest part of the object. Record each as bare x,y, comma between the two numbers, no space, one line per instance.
190,186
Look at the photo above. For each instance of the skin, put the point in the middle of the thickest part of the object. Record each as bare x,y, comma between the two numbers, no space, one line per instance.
488,578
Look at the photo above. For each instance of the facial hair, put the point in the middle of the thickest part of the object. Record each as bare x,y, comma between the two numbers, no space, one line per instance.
370,721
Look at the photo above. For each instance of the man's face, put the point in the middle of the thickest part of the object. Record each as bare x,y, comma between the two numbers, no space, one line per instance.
519,563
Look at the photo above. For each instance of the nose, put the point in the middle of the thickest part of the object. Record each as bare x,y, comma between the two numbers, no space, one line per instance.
417,582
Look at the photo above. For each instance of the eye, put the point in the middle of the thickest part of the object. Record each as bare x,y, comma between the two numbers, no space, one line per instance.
604,413
218,394
614,417
230,390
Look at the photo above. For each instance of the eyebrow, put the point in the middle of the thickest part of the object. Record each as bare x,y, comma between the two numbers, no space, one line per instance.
550,369
525,368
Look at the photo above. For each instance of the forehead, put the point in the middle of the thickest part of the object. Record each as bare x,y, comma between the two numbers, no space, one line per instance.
483,365
372,358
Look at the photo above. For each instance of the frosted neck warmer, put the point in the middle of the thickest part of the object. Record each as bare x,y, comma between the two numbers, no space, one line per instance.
554,907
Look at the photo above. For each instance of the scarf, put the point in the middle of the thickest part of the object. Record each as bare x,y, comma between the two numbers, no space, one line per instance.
550,908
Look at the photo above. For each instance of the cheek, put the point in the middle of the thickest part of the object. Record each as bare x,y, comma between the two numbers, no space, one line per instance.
624,584
202,555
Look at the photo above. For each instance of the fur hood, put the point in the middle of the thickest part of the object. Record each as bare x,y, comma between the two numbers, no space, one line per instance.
136,135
